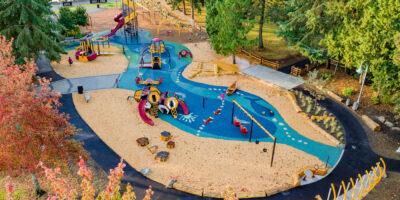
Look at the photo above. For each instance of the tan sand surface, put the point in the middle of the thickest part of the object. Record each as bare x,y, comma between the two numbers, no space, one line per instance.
103,65
276,96
201,165
103,21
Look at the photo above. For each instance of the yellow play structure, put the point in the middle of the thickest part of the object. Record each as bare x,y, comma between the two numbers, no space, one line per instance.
90,48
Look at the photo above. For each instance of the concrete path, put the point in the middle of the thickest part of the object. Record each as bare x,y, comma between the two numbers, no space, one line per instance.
67,86
273,76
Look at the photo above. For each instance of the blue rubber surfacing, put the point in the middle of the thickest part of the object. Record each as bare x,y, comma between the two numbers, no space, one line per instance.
202,100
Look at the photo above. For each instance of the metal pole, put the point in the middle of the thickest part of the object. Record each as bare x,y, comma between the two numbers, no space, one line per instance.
233,111
326,163
251,130
273,152
204,99
357,103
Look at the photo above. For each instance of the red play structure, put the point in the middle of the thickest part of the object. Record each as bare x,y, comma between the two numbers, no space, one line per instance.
153,101
239,124
184,53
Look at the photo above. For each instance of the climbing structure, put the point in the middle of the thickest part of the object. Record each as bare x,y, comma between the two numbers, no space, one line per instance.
153,101
127,19
156,50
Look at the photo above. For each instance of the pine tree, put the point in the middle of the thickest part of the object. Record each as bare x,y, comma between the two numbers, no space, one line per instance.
367,36
33,27
228,23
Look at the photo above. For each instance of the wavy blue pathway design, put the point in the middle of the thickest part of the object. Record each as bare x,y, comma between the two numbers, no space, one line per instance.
196,93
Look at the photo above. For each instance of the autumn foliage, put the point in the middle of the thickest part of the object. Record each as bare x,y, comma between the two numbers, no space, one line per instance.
31,127
61,188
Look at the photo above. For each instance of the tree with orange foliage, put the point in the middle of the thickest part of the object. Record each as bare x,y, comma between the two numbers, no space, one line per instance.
31,127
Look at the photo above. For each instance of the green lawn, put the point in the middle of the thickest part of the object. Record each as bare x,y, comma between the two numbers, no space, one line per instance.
89,6
275,47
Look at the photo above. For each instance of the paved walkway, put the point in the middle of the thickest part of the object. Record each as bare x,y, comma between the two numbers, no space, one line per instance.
67,86
273,76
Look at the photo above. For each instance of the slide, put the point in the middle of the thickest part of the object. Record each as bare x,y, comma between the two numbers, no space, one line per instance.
184,107
142,113
121,22
121,19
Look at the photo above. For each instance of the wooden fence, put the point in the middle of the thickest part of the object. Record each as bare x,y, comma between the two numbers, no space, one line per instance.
261,60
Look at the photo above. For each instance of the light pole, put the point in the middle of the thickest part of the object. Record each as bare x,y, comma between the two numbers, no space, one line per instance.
357,103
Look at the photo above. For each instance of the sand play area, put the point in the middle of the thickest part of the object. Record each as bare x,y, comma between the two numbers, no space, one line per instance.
115,63
202,166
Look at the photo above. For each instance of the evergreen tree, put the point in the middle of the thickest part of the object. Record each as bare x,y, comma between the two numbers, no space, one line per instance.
305,26
367,35
31,24
396,57
228,23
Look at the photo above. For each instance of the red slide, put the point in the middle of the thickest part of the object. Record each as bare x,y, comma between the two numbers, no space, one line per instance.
184,107
142,113
121,21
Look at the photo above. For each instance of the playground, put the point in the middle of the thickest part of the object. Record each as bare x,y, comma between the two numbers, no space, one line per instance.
184,117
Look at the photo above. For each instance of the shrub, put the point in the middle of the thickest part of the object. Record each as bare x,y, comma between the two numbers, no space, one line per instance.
81,17
67,20
71,20
375,100
396,102
347,92
62,189
327,76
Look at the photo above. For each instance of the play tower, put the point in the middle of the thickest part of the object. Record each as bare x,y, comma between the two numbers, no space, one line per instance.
127,19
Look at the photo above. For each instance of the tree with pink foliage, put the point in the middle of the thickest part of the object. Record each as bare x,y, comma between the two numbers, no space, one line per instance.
31,127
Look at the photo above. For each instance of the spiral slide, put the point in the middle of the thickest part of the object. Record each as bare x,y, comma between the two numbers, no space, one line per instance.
142,113
184,107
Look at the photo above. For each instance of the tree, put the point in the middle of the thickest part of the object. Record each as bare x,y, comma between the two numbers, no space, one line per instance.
31,127
261,24
81,17
268,10
31,24
67,20
228,23
366,35
72,19
396,57
355,32
306,25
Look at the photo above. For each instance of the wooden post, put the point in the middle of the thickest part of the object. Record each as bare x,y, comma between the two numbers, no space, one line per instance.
273,152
